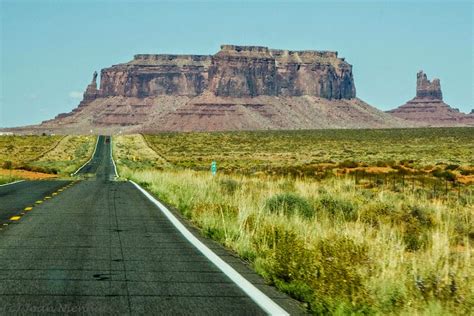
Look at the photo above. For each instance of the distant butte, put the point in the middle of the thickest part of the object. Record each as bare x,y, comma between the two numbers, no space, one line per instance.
238,88
427,107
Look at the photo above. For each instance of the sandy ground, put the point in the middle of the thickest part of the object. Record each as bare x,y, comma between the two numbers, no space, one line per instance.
28,175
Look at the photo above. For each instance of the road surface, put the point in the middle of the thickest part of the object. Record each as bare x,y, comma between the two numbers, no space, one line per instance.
100,246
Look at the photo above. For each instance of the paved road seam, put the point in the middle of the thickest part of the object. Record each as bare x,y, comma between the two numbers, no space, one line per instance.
255,294
93,154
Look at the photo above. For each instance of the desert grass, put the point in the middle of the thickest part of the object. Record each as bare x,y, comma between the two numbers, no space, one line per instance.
18,150
133,151
8,178
311,152
45,154
338,243
336,247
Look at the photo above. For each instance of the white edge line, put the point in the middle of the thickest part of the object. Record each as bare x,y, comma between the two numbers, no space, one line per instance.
112,157
93,154
255,294
2,185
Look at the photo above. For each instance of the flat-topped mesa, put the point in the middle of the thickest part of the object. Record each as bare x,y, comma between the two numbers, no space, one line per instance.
239,71
426,89
317,73
235,71
302,55
243,71
181,60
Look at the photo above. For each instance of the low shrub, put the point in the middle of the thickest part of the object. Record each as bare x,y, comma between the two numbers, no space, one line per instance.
348,164
416,223
290,204
326,275
448,175
336,207
229,186
376,212
451,167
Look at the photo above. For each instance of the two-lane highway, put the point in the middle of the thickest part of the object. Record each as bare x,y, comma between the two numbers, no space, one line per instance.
101,246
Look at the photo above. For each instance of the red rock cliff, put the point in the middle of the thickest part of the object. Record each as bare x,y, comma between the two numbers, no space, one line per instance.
235,71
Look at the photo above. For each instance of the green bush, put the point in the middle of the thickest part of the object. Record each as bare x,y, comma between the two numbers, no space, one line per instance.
416,223
348,164
7,165
448,175
336,207
376,212
327,276
229,186
289,204
451,167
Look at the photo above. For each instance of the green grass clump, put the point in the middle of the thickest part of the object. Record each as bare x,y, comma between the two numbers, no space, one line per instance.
290,204
327,275
4,179
229,186
336,207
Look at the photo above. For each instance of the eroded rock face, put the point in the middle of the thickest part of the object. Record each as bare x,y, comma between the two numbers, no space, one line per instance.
91,92
426,89
152,75
315,73
235,71
243,71
427,107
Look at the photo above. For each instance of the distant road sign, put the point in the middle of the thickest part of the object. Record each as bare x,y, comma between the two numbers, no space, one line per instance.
214,168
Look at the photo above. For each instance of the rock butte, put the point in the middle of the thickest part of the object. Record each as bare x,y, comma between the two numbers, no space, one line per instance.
427,107
235,71
238,88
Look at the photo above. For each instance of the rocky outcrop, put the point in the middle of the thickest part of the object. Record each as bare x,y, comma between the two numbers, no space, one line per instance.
426,89
90,95
316,73
243,71
153,75
235,71
238,88
427,107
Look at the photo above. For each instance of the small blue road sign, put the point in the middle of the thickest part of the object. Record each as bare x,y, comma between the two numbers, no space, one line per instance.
213,168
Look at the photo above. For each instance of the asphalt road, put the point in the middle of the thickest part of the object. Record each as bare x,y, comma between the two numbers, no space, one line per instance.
14,198
100,246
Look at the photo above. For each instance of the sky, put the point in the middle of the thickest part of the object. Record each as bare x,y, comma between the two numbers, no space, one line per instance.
49,49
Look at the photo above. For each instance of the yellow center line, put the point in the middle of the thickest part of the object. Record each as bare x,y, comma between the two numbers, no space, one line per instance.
54,194
29,208
47,197
15,218
39,202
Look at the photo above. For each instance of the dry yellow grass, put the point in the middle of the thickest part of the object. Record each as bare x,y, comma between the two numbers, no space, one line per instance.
339,247
45,154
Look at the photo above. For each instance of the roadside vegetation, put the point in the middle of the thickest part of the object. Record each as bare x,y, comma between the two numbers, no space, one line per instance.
343,243
39,157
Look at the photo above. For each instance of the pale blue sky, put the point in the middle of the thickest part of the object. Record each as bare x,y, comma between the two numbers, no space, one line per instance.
49,49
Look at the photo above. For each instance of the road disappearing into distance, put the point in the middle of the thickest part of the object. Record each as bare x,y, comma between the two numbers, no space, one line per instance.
97,245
